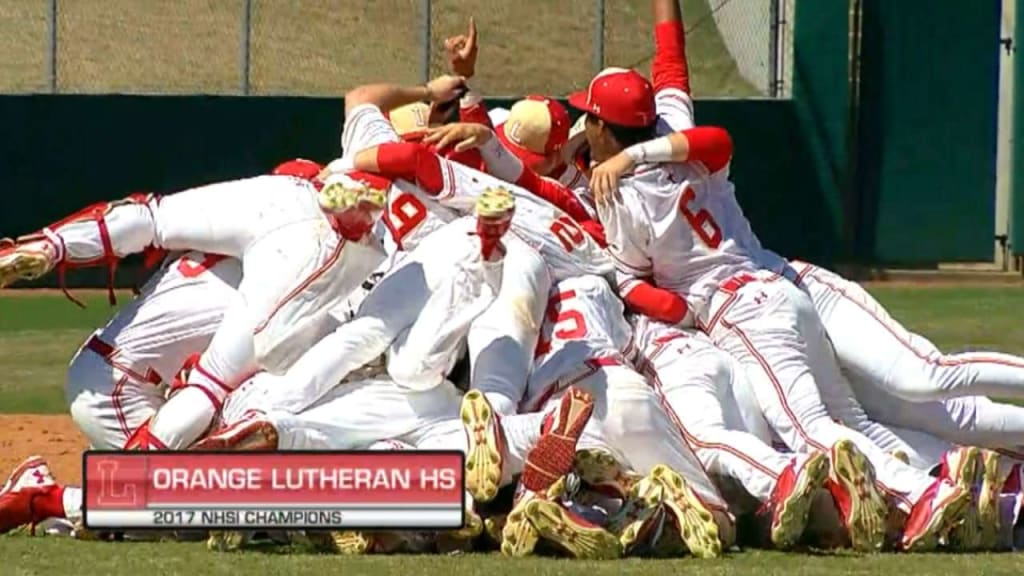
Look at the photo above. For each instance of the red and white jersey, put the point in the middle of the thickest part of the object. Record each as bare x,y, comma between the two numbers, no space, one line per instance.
584,322
411,213
175,314
682,227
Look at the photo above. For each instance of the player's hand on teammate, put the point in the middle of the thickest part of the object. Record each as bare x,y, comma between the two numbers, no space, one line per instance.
604,178
446,88
460,135
461,51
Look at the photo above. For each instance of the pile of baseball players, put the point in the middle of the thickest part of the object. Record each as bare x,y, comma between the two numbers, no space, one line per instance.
583,310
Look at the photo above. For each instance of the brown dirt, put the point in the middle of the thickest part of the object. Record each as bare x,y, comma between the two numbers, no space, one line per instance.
55,437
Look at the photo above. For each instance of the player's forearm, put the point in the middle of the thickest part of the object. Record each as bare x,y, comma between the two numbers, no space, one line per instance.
409,161
473,110
669,68
709,145
385,96
653,302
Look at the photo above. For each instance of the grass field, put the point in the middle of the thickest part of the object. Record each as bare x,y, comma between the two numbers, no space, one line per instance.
323,47
39,333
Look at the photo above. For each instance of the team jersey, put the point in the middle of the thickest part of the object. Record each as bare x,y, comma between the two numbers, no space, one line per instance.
681,226
584,321
568,250
175,314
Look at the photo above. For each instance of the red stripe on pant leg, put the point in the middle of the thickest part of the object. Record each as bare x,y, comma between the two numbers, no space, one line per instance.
696,442
940,361
303,285
778,389
115,400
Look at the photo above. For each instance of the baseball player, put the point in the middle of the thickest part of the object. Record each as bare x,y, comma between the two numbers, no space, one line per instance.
680,227
586,342
302,250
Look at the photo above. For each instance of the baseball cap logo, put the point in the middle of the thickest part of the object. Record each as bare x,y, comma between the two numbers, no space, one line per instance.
419,116
514,131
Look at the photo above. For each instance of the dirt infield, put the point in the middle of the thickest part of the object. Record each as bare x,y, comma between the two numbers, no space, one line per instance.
54,437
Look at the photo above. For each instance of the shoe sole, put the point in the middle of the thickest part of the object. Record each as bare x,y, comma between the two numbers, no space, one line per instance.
643,530
351,543
697,526
988,501
966,536
554,454
554,524
260,435
484,459
952,509
791,519
602,472
495,204
22,266
868,509
337,197
228,540
518,536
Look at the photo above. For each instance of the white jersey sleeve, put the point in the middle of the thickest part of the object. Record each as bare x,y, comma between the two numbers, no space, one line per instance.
585,321
674,109
365,127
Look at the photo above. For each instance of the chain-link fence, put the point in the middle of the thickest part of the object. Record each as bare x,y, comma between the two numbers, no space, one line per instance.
323,47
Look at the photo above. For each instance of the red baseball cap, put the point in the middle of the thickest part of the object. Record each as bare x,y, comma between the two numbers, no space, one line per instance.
536,126
618,96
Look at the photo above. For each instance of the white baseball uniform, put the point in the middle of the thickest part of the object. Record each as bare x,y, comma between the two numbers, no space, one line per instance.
543,244
118,378
681,226
696,380
295,265
586,342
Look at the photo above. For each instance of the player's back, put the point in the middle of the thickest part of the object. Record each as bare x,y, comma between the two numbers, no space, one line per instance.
699,235
566,247
176,313
584,322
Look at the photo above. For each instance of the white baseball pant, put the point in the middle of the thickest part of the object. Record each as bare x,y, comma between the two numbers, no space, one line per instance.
503,339
771,328
695,380
419,313
871,345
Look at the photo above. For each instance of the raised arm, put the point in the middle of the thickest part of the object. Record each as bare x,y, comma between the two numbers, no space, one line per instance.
670,71
390,96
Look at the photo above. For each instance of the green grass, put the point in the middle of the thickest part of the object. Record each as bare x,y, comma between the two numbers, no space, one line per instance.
53,556
323,47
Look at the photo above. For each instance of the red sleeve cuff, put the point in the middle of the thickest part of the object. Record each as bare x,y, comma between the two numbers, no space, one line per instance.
710,145
413,162
656,303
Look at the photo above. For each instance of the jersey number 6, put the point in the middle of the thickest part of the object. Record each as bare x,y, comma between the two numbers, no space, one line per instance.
702,222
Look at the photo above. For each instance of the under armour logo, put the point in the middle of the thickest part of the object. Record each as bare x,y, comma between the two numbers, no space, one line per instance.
760,298
39,476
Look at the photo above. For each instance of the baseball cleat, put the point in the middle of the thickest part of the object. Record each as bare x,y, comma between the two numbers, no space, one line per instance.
255,433
603,473
862,506
486,446
938,510
494,526
494,209
346,542
19,497
792,498
518,536
462,539
338,197
579,538
962,467
640,521
988,500
228,540
696,523
25,261
553,455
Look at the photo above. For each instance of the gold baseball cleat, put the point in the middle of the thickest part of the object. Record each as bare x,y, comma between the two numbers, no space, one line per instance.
518,536
964,469
696,523
603,472
228,540
988,501
25,261
485,456
338,197
581,539
865,512
495,203
792,498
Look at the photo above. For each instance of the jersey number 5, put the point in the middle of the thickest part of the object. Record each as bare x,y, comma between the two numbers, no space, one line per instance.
702,222
568,233
568,324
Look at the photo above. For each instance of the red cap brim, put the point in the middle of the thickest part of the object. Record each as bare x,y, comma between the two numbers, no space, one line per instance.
578,100
528,157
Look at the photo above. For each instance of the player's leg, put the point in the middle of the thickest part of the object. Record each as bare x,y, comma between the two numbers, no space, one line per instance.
761,326
874,346
502,340
107,404
695,386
